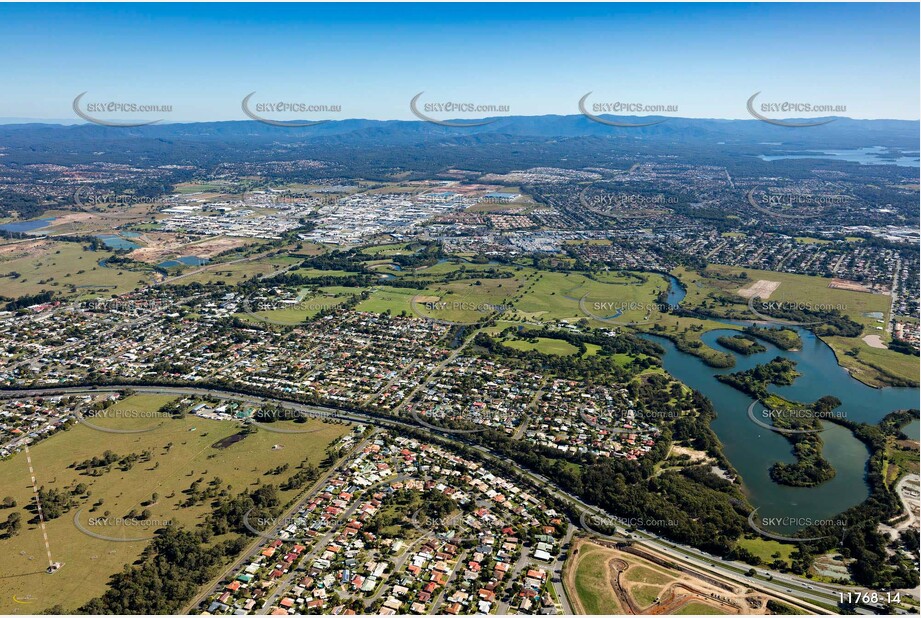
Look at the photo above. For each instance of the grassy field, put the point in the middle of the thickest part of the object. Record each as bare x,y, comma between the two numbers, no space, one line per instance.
551,296
644,595
88,561
63,268
463,301
873,366
382,299
591,581
468,302
544,345
694,609
766,548
235,273
394,249
313,273
645,575
805,289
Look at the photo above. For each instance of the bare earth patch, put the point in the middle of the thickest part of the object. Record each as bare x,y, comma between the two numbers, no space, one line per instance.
74,217
17,249
160,247
853,286
694,455
645,583
874,341
762,288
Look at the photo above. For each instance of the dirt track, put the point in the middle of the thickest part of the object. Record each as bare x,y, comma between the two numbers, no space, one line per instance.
685,587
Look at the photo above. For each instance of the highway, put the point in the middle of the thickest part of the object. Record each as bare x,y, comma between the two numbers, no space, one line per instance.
799,591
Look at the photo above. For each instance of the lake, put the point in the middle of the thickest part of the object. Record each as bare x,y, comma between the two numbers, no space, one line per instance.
26,226
114,241
188,260
752,449
863,156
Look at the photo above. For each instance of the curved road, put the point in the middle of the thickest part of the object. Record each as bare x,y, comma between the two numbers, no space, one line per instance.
802,592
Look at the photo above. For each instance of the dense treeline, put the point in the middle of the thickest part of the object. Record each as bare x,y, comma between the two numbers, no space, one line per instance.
31,299
903,347
780,371
600,365
743,344
819,320
784,338
810,468
892,423
855,532
172,568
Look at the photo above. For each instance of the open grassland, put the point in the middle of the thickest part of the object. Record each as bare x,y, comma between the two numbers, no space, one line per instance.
467,300
610,299
645,595
63,268
392,249
544,345
313,273
589,576
767,548
181,452
382,299
232,274
873,366
697,609
805,290
646,575
463,301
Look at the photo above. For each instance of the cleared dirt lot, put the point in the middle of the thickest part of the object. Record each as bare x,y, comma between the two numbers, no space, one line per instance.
874,341
762,288
159,247
852,286
602,578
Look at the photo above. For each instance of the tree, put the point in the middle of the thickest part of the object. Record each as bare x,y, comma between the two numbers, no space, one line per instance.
13,524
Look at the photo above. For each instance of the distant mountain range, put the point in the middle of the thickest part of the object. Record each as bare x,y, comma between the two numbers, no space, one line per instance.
380,148
842,132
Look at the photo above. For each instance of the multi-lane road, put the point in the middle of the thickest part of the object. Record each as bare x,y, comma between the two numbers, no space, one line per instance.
806,594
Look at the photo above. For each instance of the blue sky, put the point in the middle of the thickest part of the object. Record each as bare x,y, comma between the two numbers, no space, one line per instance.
707,59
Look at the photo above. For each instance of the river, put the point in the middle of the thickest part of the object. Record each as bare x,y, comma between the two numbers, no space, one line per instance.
752,449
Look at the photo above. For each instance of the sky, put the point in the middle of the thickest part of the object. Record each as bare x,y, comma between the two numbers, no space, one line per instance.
371,59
